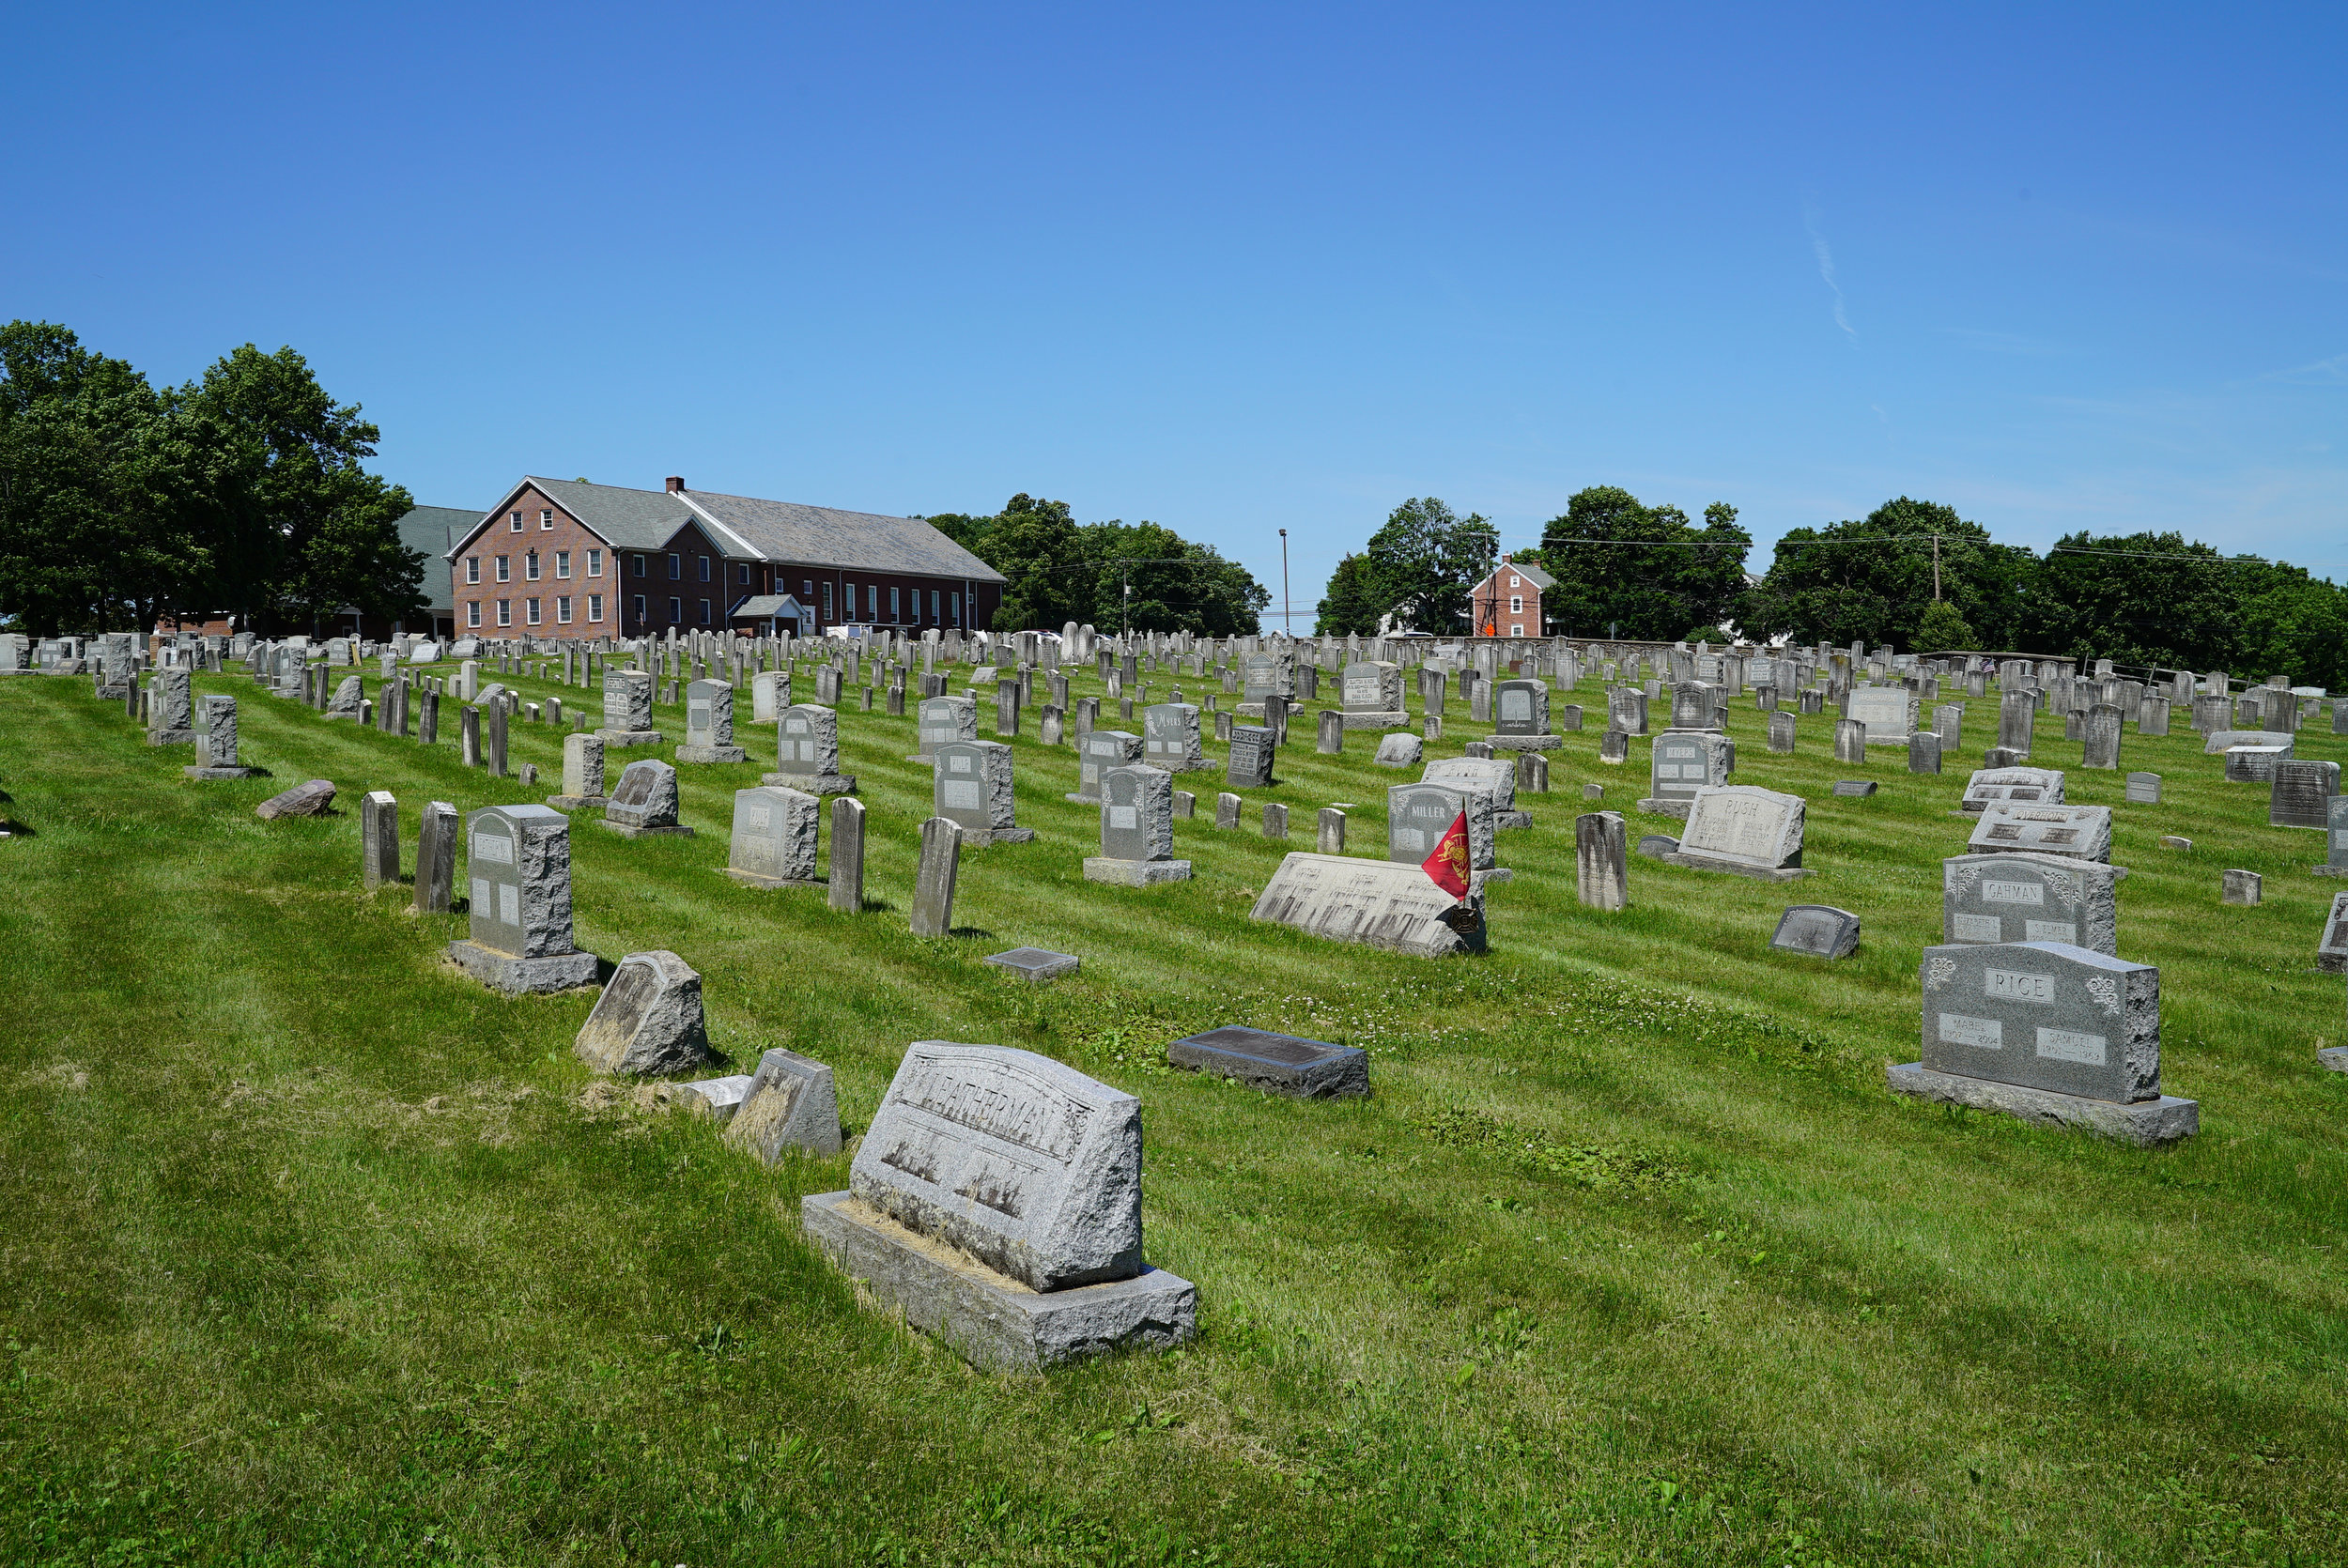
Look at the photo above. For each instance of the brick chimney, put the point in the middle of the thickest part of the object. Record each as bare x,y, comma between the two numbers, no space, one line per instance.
676,483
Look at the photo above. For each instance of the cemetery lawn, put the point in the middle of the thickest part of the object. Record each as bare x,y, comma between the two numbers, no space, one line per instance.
317,1252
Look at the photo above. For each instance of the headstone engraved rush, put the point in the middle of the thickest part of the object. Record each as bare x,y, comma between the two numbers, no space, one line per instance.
1744,830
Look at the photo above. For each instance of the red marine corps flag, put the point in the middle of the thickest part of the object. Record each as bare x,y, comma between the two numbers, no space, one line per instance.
1448,865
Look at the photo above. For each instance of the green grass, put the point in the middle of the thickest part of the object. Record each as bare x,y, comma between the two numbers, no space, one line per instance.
317,1252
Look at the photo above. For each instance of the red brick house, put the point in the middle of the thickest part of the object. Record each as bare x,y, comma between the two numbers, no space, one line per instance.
566,559
1508,603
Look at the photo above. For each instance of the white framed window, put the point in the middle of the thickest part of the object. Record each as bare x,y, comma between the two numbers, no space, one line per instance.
546,516
746,573
516,526
826,601
1516,606
472,568
807,588
1516,631
530,611
505,612
562,609
956,599
594,607
932,607
640,568
894,614
639,610
561,563
676,567
506,568
677,612
530,566
473,612
594,563
1516,582
871,601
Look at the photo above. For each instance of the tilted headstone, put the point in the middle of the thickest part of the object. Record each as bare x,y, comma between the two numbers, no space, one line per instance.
1249,766
1136,829
972,788
1745,830
345,702
1274,1064
647,1020
1098,752
1681,762
2028,897
2303,794
773,841
2034,785
1821,930
519,862
1418,815
790,1106
1374,902
939,869
435,858
807,752
644,801
1399,751
312,799
709,724
2083,832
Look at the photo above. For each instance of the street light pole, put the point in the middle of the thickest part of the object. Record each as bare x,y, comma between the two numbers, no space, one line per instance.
1284,584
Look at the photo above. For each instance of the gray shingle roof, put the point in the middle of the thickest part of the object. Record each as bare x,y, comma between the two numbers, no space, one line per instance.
627,519
1531,574
434,529
852,541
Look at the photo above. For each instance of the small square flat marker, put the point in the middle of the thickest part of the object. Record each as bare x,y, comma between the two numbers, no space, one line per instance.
1277,1064
1037,963
1853,786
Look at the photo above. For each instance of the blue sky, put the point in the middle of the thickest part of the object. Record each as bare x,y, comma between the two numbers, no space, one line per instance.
1233,270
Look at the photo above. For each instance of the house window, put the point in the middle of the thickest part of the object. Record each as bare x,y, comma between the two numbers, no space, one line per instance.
530,566
505,612
594,563
807,588
894,613
472,568
704,612
676,567
595,606
641,569
562,609
871,601
744,578
1516,606
956,600
546,517
826,601
932,607
506,568
1516,631
704,568
473,612
530,611
561,563
677,612
516,526
1516,582
639,610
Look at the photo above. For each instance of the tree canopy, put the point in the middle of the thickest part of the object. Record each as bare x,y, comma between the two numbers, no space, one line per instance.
1624,568
1871,579
1114,573
1417,568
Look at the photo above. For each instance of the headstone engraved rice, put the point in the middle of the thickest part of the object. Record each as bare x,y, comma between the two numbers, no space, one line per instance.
2083,832
709,724
2303,794
517,862
807,752
1371,695
2030,898
1418,815
2032,786
1030,1170
1820,930
1276,1064
1375,902
644,801
788,1107
1099,751
972,788
1681,762
1249,766
1745,830
648,1020
774,840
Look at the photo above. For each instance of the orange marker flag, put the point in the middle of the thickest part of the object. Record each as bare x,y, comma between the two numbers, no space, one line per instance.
1448,865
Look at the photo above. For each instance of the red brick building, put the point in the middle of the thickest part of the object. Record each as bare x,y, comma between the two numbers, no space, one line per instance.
1508,603
566,559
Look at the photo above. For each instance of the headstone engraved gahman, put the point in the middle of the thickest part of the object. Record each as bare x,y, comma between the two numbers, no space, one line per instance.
519,862
2048,1032
2025,897
1026,1175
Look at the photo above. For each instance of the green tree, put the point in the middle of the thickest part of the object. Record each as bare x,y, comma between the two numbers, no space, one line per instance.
1942,627
1351,606
2148,599
1871,579
1033,543
1061,571
2287,623
1424,560
1624,568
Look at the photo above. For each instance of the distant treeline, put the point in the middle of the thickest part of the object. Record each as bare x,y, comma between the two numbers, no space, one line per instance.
1105,574
1627,569
240,494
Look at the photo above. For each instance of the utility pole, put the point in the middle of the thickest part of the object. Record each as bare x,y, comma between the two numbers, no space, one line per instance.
1935,566
1284,584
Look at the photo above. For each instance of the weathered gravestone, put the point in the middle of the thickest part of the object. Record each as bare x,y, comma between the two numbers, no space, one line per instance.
1744,830
2240,887
1889,713
1096,754
2254,764
627,709
1249,766
1681,761
1626,710
972,788
1031,1173
1521,717
1782,733
1329,733
2100,737
1267,675
2025,897
518,939
645,801
582,775
1329,830
1601,860
807,752
2081,831
1136,830
1820,930
2336,839
648,1019
790,1107
313,799
217,745
1399,751
1418,815
2303,794
709,724
1171,738
378,840
773,841
1276,1064
2036,786
436,860
771,693
170,709
1035,966
939,867
1375,902
942,718
2331,948
2050,1033
1371,695
2017,712
346,701
1490,774
2143,789
846,893
1923,751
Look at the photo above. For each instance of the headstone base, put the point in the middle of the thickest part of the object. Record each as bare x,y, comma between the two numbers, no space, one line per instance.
995,1323
979,837
1360,720
1758,874
255,772
1511,818
1081,799
753,879
2312,871
523,977
1135,873
629,737
2166,1120
579,803
814,783
1525,742
113,694
1654,808
628,830
171,737
711,754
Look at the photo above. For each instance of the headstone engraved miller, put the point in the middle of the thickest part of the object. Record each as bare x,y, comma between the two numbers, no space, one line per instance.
709,724
518,860
2050,1033
645,801
1744,830
647,1020
1820,930
1136,830
1418,815
2081,831
774,842
1681,761
807,752
1096,754
996,1203
972,788
2023,897
627,709
1375,902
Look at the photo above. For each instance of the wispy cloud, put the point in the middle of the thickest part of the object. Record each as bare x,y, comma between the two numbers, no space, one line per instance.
2000,343
2321,373
1825,254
